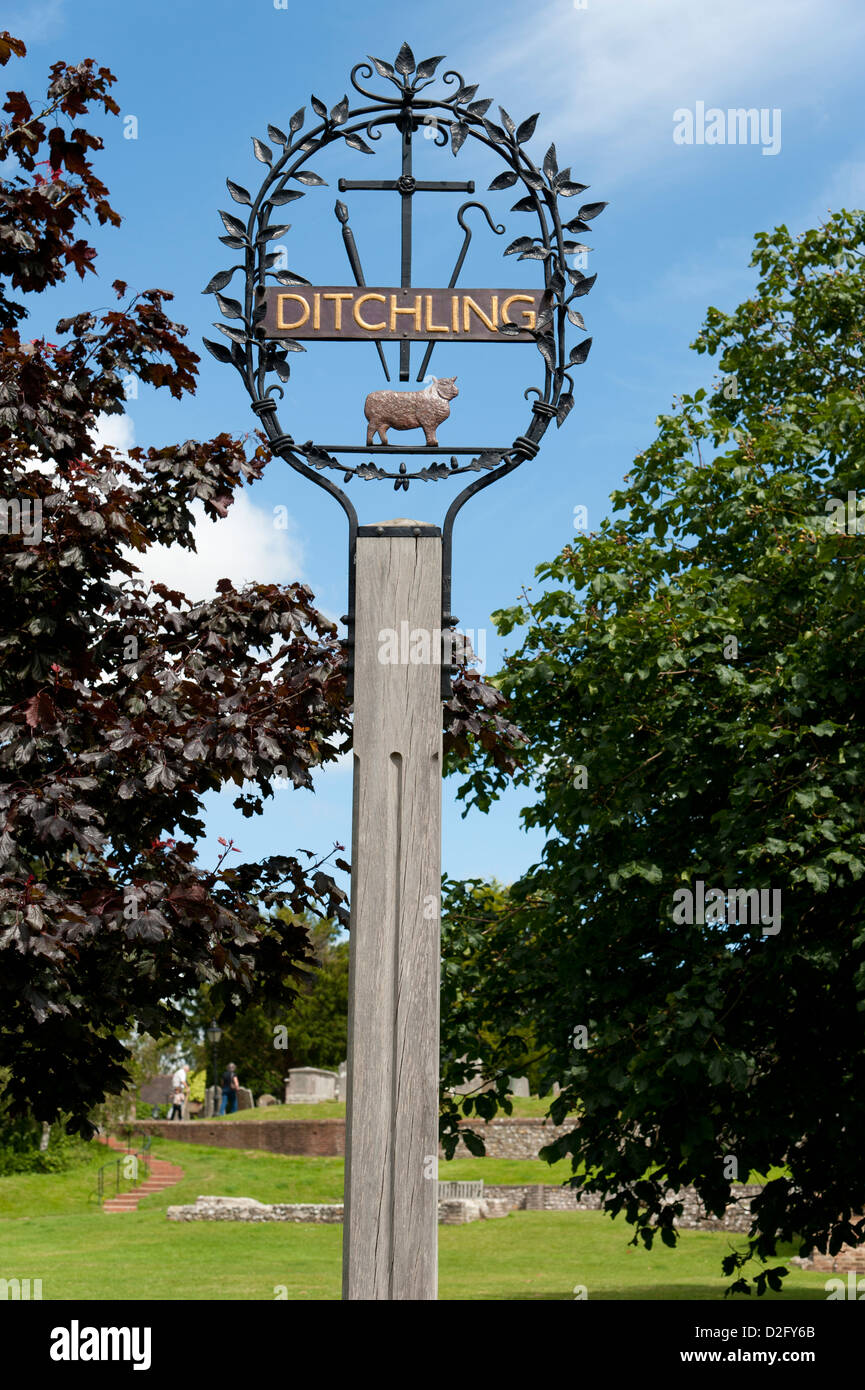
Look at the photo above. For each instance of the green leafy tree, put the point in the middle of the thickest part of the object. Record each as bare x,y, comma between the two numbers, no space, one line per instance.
265,1040
316,1029
690,681
485,956
197,1082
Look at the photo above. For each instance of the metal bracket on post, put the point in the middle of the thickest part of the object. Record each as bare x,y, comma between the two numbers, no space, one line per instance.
526,448
283,446
449,622
417,528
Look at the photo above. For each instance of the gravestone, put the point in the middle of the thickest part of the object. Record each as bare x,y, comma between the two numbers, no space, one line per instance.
308,1085
342,1082
475,1082
266,1100
244,1098
519,1086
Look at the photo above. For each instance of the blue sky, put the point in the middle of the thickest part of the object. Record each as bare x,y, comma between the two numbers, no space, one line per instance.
607,78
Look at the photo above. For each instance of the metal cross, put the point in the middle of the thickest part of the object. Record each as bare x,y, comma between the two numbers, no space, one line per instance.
406,185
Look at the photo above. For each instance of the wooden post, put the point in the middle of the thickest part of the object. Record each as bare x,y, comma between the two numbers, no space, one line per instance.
390,1237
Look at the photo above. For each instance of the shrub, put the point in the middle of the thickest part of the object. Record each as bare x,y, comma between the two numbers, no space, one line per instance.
20,1152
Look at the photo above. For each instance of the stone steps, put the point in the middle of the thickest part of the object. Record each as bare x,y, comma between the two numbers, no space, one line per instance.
162,1174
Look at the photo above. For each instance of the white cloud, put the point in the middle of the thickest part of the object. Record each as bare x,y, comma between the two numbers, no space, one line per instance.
244,547
343,763
114,432
612,74
110,431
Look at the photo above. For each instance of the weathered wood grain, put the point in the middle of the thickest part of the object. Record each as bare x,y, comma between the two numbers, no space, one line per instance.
391,1232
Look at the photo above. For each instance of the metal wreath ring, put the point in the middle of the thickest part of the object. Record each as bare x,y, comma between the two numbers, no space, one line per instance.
457,117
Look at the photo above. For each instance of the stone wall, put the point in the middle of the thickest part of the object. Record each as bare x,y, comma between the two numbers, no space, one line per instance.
548,1197
512,1137
497,1201
452,1212
504,1138
850,1258
247,1209
313,1138
456,1211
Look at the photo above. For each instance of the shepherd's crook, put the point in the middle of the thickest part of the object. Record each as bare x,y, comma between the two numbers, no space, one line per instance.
498,228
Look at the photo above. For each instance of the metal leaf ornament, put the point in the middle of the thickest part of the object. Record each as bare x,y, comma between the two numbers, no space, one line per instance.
460,116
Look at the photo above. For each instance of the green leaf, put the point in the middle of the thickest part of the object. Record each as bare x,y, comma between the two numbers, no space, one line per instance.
473,1143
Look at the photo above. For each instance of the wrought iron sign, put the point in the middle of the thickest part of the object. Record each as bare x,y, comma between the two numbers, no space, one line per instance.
280,310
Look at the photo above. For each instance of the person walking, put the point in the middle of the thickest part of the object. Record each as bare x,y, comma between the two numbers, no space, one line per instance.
180,1092
230,1087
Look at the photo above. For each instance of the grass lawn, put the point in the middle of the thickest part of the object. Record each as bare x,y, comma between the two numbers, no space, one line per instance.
316,1110
528,1107
49,1231
242,1173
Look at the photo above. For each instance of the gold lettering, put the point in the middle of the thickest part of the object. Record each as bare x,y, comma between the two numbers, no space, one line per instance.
280,311
428,324
416,312
337,312
468,315
492,324
529,315
361,322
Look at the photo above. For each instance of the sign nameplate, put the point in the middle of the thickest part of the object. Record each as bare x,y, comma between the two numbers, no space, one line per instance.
361,313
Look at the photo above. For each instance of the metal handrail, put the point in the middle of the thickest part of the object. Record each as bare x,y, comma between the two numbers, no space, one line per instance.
129,1130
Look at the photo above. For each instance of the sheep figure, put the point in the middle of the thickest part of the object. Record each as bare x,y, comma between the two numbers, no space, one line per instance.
410,410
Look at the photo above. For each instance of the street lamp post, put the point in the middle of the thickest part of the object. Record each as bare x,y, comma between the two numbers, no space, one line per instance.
214,1035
